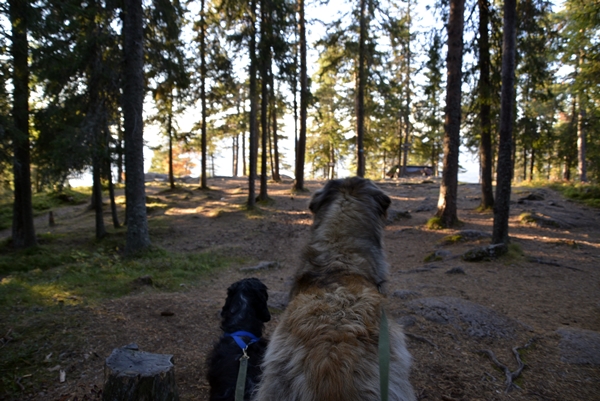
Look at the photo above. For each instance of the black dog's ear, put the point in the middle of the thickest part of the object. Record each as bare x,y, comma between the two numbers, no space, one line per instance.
262,309
230,308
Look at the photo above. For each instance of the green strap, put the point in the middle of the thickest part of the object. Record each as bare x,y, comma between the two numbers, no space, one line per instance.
240,386
384,356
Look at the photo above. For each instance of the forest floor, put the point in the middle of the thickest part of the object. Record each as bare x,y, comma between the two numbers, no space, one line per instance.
543,297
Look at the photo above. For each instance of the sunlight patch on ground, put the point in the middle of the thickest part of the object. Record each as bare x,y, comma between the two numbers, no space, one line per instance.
410,198
554,240
176,211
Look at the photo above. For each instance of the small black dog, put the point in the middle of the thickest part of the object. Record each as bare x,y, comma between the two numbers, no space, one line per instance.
242,321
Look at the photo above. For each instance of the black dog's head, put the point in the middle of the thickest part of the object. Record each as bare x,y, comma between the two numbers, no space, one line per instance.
245,307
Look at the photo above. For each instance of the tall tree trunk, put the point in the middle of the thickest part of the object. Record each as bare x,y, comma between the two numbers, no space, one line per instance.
407,81
301,148
449,186
23,231
253,151
138,237
485,145
203,139
275,166
505,165
265,63
360,91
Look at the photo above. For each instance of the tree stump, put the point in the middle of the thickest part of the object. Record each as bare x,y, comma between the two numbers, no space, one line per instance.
134,375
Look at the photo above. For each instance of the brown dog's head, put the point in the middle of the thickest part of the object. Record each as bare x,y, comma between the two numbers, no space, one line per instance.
347,232
354,189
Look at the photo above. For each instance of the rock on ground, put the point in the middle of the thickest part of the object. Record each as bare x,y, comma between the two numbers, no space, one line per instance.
475,320
579,346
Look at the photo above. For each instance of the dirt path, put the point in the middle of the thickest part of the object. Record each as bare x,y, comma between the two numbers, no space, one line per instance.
494,306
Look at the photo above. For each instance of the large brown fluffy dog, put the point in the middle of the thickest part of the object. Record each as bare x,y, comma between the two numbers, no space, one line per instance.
325,347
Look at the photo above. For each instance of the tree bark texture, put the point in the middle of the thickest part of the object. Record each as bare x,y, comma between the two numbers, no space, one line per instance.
449,186
485,144
23,230
138,237
130,374
301,145
504,172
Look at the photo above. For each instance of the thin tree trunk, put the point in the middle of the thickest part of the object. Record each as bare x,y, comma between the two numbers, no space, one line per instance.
400,145
301,148
505,162
113,204
97,194
244,168
448,190
108,164
23,231
170,133
531,163
203,140
253,109
138,237
485,145
235,151
581,141
360,91
265,63
407,105
275,166
524,163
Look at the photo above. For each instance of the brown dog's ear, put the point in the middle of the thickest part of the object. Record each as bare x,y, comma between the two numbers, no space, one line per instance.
324,196
383,201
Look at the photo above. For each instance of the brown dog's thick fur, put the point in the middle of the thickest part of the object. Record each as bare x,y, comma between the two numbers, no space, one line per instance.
325,347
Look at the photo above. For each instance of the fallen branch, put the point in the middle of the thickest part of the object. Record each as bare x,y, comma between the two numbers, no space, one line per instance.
422,339
550,263
510,376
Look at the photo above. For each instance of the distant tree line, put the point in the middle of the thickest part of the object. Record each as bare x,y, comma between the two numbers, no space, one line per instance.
75,76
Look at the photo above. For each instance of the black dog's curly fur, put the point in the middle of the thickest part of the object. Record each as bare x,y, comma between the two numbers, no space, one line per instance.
245,310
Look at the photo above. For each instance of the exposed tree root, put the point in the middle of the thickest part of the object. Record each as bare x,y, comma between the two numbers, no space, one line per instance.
510,376
422,339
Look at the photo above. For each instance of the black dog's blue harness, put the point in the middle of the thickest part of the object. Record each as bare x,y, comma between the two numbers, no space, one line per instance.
240,385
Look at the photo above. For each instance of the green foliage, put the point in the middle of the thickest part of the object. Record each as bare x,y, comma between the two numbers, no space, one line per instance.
588,194
51,275
43,202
